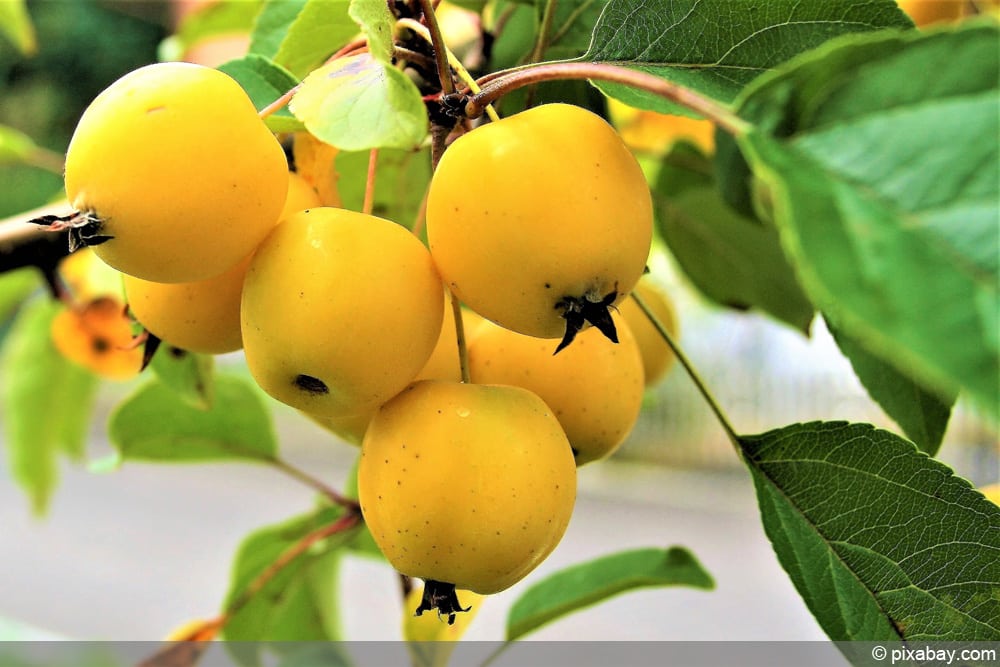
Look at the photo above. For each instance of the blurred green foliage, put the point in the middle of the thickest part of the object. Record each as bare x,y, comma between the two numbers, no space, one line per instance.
84,45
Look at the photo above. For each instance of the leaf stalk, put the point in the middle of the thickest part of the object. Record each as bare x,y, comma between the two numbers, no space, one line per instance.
440,51
333,496
699,383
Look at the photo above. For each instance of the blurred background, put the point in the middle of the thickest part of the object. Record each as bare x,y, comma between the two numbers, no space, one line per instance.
132,554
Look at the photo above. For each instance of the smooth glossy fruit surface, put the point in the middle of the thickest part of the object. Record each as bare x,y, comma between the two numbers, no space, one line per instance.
201,316
537,215
204,316
657,357
181,176
340,311
468,484
594,387
301,195
443,364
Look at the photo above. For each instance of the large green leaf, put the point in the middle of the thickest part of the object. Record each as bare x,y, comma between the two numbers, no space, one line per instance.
300,603
586,584
572,28
15,286
271,25
264,81
882,542
512,45
718,46
733,260
299,35
359,103
187,373
886,192
158,424
921,414
47,401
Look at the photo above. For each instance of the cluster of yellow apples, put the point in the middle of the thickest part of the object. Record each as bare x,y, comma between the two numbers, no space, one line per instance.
540,224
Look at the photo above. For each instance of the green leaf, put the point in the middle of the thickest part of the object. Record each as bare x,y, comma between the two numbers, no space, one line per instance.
734,261
569,37
358,103
213,19
15,286
272,24
47,401
882,542
378,24
573,24
716,47
16,25
15,146
514,43
187,373
401,179
300,35
156,424
299,603
264,81
921,414
586,584
886,197
219,18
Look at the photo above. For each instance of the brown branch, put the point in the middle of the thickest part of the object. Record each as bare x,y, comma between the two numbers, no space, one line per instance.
344,523
23,244
685,97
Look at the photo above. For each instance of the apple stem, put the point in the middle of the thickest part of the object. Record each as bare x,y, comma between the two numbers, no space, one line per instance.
333,496
279,103
548,15
538,52
689,368
463,350
412,56
440,51
421,219
369,201
348,49
498,86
